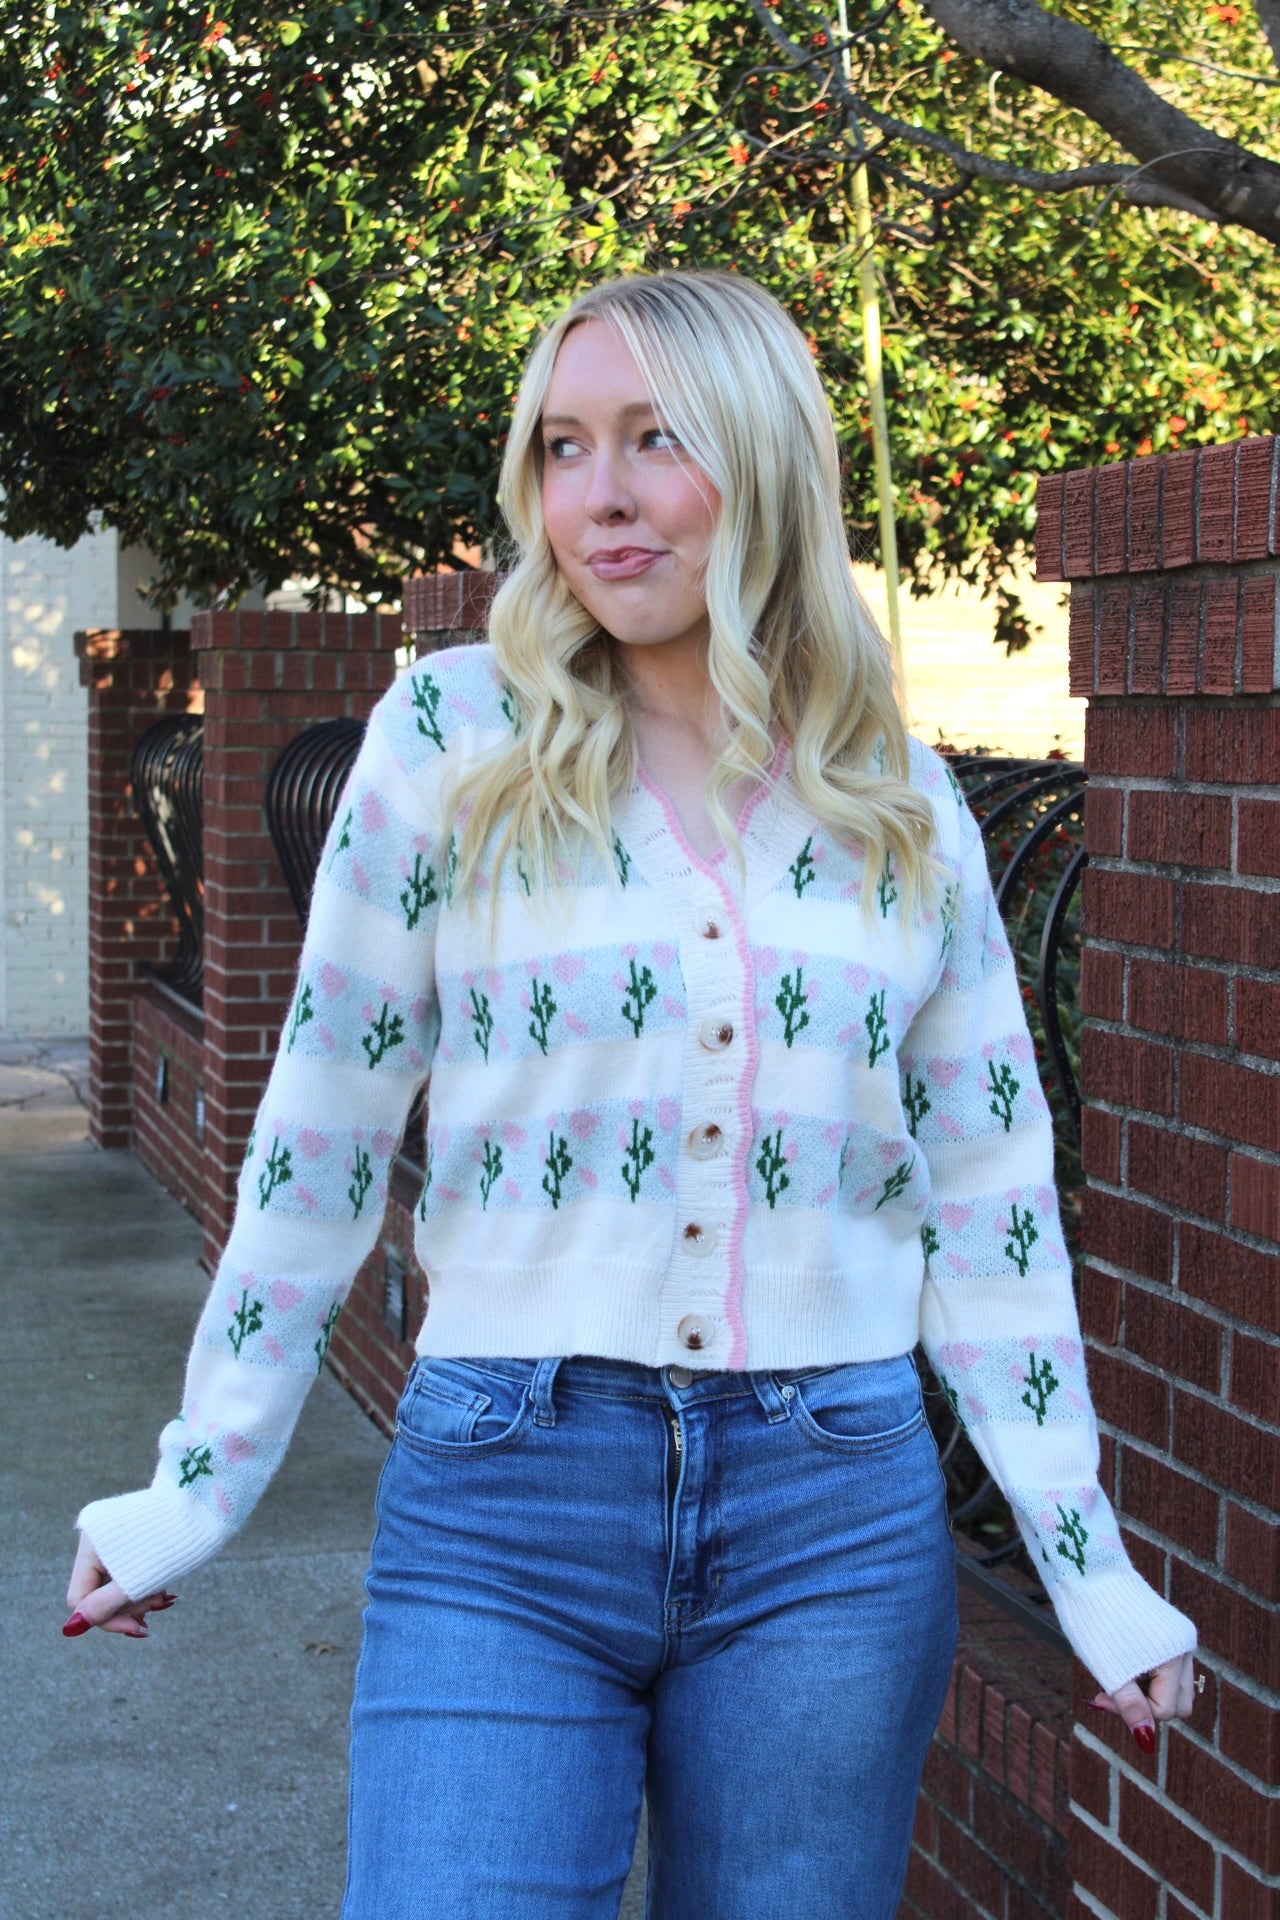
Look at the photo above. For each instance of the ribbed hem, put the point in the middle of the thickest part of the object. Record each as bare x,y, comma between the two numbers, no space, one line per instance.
1120,1627
150,1539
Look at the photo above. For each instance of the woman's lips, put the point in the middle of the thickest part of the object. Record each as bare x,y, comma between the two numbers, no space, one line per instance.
622,563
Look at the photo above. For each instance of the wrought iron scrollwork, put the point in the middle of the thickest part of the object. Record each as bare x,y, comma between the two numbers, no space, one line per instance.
1031,815
302,795
166,774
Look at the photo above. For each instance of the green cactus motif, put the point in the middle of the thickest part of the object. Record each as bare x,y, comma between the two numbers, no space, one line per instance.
522,873
953,1398
510,707
481,1021
450,869
428,1174
1023,1235
621,859
640,994
194,1462
1041,1382
876,1022
886,887
321,1345
771,1165
249,1146
426,701
558,1161
1005,1087
361,1182
956,788
802,869
385,1032
543,1008
896,1182
929,1240
948,908
303,1010
246,1319
915,1102
278,1172
639,1156
343,841
418,893
1073,1536
792,1004
846,1154
490,1168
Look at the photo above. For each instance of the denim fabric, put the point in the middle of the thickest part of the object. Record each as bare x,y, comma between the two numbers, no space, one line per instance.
755,1630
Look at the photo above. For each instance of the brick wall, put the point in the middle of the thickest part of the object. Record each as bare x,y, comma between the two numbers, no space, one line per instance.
266,676
1174,639
133,677
168,1092
992,1819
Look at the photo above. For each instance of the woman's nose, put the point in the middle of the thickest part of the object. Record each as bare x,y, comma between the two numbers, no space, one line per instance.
608,497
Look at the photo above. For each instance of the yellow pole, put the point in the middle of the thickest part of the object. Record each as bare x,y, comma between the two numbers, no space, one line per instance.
870,304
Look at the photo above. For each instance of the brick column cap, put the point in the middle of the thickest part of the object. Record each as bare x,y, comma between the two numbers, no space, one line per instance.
232,632
1216,505
448,603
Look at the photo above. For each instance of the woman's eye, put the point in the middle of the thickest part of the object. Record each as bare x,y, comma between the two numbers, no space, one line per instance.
561,448
659,438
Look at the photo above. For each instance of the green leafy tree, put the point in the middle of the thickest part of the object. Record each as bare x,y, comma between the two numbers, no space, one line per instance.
268,279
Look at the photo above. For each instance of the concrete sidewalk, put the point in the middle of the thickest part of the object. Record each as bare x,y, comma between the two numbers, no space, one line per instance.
202,1773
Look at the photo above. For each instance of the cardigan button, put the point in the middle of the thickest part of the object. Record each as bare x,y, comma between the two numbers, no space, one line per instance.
694,1333
715,1035
698,1240
705,1142
710,930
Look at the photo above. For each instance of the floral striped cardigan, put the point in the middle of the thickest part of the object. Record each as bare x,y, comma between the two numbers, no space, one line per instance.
690,1115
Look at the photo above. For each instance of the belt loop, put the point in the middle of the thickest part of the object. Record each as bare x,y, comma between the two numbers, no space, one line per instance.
777,1405
544,1407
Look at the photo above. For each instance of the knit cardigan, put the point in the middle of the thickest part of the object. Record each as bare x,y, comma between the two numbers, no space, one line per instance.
681,1115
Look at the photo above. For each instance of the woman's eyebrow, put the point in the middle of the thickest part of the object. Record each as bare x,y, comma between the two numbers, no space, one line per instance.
633,409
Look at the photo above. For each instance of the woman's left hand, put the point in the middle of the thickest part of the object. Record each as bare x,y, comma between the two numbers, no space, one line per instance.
1169,1695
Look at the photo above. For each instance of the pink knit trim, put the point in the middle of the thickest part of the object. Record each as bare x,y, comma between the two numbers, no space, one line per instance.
737,1231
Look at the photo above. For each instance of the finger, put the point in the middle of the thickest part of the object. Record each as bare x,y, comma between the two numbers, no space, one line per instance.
1165,1684
87,1572
96,1607
1135,1710
1187,1688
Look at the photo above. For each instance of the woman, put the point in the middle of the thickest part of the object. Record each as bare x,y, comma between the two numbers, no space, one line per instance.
731,1100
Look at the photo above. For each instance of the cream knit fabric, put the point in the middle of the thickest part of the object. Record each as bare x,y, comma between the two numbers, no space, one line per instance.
685,1117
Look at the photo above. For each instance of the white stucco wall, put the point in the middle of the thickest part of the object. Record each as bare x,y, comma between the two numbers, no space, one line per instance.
46,594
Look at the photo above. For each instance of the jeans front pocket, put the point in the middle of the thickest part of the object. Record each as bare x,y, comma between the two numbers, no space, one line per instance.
867,1406
457,1407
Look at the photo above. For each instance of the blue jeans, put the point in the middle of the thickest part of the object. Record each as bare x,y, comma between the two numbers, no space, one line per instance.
733,1593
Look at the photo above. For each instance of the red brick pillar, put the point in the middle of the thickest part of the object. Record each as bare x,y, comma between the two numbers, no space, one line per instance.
447,609
1174,639
266,676
133,678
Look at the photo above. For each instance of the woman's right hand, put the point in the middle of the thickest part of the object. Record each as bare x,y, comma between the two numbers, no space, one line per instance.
96,1600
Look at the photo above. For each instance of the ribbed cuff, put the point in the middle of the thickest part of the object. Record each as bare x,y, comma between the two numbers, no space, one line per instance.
1120,1627
152,1538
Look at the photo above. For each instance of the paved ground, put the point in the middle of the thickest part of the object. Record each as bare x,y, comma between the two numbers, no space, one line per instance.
202,1773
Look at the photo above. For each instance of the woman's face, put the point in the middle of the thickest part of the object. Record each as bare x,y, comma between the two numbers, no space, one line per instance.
628,515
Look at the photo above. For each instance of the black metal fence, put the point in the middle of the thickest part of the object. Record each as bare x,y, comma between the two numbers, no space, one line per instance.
166,772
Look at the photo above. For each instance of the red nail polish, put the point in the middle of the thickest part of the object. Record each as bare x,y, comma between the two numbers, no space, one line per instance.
1146,1738
75,1625
1095,1706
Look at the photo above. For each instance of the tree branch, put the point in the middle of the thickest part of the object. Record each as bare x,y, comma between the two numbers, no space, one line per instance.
1240,187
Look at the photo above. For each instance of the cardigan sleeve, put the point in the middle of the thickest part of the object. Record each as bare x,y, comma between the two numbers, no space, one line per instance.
356,1047
998,1319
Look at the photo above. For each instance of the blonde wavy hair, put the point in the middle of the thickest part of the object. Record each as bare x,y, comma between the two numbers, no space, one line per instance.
794,653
